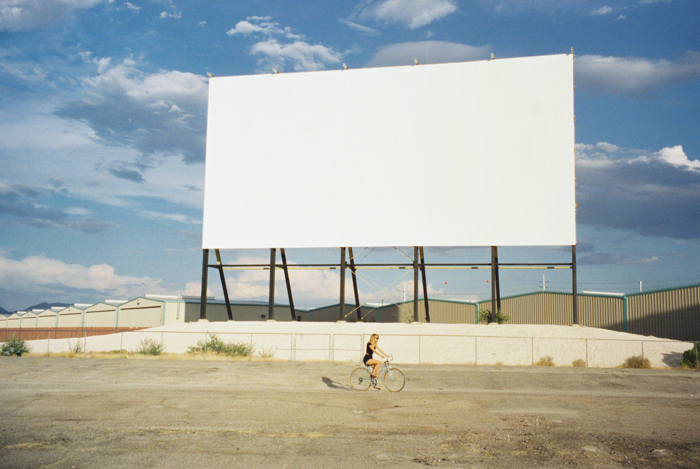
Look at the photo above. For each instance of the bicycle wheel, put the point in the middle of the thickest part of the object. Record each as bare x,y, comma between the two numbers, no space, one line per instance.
359,379
394,380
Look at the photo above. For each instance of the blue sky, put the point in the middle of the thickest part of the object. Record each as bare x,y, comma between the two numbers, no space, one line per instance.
103,123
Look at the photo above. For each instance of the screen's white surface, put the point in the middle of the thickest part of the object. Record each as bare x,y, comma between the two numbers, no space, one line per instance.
462,154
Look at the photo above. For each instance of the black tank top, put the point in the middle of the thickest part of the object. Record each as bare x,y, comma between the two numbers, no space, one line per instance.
368,354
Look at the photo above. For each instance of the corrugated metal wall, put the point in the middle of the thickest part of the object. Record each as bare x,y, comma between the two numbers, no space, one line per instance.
441,312
557,309
604,312
240,312
666,313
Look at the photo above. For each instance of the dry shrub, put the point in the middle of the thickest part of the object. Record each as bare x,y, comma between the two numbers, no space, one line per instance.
636,361
579,363
545,361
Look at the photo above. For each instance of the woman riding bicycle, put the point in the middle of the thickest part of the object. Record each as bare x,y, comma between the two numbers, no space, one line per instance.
371,349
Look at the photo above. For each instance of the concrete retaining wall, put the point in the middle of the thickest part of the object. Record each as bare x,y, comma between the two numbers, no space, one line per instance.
521,345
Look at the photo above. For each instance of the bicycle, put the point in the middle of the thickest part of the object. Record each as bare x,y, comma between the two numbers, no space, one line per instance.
394,380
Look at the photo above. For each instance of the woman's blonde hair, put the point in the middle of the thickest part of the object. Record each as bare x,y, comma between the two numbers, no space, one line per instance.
373,339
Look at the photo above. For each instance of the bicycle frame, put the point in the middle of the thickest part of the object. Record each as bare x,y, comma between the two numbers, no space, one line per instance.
383,368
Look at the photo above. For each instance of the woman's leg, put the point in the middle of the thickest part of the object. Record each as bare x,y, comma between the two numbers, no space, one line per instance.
375,366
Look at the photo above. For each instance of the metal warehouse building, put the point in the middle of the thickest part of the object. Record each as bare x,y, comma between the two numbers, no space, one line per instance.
669,313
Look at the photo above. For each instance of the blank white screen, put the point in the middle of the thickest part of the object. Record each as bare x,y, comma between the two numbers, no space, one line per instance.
461,154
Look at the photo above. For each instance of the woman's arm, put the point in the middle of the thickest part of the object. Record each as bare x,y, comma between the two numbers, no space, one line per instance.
379,351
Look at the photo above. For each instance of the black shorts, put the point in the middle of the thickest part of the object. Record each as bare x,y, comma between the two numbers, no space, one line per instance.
367,357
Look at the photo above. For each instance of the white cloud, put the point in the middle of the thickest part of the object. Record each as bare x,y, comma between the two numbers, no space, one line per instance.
131,6
165,14
307,285
46,277
178,217
602,11
634,75
297,55
427,52
362,29
652,193
23,71
677,157
161,112
195,289
412,13
262,25
100,148
301,55
22,15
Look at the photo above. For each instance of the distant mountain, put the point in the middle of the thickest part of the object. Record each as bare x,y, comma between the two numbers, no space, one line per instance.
39,306
46,306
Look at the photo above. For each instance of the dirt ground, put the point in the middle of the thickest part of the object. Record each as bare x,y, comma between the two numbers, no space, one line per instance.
100,413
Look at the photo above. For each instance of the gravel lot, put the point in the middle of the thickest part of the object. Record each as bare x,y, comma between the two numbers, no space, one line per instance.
99,413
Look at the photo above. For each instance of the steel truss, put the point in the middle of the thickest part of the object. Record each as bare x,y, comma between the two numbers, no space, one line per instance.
419,266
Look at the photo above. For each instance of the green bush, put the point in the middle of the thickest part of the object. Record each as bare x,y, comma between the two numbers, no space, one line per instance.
219,347
636,361
150,347
485,315
579,363
14,346
690,357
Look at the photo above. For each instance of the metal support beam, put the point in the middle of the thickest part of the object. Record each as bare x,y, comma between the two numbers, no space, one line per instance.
498,283
223,284
271,306
341,307
289,284
205,274
573,280
492,316
358,310
415,284
425,286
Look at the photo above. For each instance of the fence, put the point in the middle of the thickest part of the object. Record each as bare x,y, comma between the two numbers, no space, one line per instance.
63,332
408,348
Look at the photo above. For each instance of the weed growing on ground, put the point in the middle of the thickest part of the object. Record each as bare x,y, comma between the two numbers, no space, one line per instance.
150,347
15,347
545,361
217,346
267,353
636,361
579,363
78,348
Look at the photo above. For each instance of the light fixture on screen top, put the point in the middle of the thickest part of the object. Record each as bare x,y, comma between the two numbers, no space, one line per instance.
210,75
276,72
416,61
345,67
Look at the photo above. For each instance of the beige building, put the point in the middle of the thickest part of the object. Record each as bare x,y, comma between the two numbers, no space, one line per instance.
100,315
47,318
70,316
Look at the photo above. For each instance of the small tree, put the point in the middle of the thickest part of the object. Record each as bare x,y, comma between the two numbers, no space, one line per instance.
485,316
690,357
